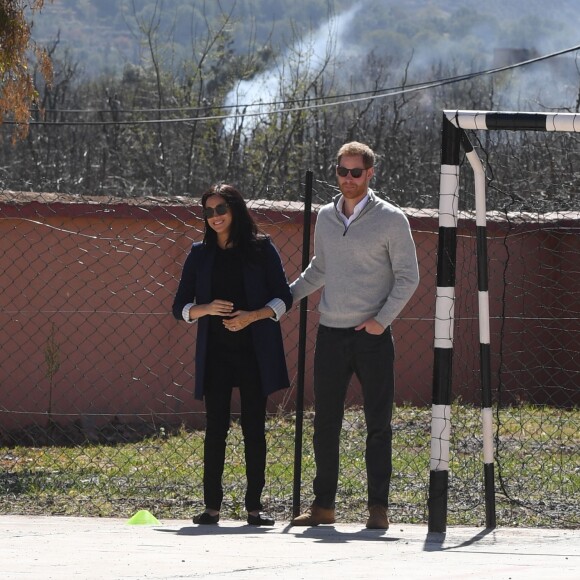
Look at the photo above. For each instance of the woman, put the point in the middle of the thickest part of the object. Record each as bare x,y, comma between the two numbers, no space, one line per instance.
233,283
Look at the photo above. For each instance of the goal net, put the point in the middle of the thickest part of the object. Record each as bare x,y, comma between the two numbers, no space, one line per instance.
507,323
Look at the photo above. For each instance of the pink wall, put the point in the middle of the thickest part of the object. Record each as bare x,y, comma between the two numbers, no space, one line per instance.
96,281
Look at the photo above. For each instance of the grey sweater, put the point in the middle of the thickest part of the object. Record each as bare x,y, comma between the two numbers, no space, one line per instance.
368,270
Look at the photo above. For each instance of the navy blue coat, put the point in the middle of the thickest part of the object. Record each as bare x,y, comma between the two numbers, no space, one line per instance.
264,279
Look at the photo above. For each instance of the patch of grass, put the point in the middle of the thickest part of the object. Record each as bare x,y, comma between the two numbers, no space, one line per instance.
537,471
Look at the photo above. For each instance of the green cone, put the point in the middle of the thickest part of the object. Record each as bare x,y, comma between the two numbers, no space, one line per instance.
142,517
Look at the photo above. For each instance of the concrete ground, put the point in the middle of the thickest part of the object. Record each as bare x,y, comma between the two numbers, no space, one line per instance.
64,547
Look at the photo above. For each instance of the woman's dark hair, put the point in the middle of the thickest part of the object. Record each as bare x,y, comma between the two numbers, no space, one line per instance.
244,231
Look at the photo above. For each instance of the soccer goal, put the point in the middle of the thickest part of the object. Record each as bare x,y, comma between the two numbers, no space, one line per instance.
508,298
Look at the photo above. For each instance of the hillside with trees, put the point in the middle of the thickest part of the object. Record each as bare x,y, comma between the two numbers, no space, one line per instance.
104,35
180,114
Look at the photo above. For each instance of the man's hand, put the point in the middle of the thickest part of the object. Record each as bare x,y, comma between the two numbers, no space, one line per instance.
371,326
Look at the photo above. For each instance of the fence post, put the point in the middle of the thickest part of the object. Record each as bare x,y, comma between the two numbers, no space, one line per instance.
302,350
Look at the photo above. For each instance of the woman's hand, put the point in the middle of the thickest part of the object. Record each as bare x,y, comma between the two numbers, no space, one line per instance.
239,320
219,308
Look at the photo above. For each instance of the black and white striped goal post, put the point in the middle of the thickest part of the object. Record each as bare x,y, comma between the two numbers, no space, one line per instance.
455,122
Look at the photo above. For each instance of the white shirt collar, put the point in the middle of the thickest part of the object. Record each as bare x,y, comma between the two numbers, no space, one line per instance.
357,209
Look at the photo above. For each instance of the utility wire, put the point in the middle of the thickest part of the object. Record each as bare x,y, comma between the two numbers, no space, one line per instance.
337,100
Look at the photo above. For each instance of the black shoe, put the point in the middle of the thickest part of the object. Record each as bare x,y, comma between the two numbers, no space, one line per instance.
260,520
206,519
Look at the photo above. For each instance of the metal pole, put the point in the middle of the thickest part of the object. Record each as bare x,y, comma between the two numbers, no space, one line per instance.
484,332
444,322
302,350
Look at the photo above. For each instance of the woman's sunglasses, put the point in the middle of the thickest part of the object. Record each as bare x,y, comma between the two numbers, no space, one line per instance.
221,209
356,172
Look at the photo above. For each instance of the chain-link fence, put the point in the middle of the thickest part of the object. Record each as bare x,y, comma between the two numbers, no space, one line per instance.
97,409
97,414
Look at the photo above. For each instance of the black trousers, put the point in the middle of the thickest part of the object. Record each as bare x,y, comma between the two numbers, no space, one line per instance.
218,394
339,354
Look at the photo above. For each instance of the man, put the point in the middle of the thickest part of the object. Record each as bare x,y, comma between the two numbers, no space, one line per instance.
365,260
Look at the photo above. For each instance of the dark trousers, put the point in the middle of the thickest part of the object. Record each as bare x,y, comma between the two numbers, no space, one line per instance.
218,394
339,354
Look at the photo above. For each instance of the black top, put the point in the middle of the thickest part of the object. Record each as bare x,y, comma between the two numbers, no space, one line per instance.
227,283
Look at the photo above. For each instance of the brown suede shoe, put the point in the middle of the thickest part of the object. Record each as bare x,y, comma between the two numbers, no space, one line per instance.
378,519
314,516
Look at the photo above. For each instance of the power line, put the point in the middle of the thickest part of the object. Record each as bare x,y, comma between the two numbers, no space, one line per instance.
336,100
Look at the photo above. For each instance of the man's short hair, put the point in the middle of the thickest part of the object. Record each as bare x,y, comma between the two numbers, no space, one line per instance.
355,148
